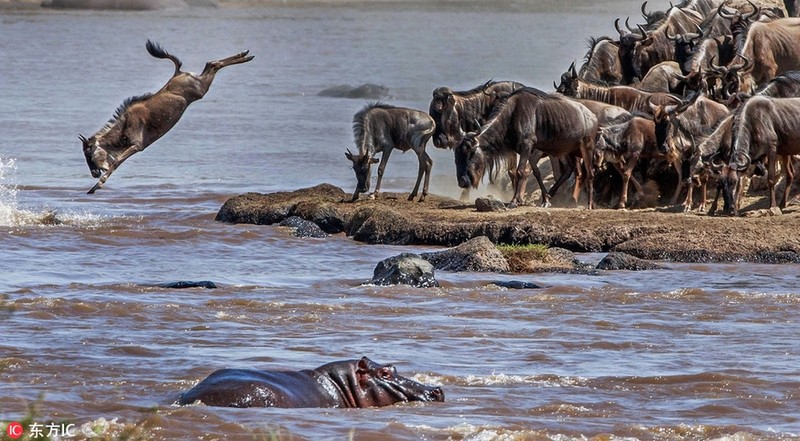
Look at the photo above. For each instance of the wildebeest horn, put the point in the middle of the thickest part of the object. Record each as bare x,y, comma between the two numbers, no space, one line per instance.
619,29
719,70
83,138
671,37
741,67
747,64
726,14
644,13
644,33
555,86
572,70
756,10
628,25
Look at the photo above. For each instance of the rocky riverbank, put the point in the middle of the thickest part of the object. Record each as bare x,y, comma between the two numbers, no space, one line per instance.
647,234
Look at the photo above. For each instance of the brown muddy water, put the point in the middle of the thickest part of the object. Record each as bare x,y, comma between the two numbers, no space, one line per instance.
696,352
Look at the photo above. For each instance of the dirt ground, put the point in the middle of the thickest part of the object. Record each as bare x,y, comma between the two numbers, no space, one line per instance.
656,233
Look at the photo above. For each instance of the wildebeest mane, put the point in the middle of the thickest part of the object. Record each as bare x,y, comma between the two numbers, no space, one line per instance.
476,89
360,118
119,114
592,43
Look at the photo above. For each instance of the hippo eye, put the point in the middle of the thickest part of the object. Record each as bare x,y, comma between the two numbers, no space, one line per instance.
385,373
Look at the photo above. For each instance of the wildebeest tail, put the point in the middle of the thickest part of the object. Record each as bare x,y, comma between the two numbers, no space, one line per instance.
157,51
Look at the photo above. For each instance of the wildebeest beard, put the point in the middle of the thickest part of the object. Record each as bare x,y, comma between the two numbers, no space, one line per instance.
470,163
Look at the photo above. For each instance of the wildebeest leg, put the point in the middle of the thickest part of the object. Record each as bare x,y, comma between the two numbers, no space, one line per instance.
563,174
703,193
534,161
786,163
212,67
687,202
587,154
381,167
113,166
425,165
626,173
464,195
772,157
522,176
678,164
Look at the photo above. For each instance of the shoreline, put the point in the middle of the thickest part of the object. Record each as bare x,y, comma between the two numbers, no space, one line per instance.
652,234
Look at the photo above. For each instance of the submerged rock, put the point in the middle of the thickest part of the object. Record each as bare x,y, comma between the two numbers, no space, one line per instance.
404,269
183,284
516,284
302,228
364,91
478,254
622,261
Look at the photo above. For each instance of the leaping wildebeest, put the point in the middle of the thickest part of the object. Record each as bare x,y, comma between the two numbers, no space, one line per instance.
530,122
381,128
142,120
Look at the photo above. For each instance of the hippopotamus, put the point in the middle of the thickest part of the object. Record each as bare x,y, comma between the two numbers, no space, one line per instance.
348,383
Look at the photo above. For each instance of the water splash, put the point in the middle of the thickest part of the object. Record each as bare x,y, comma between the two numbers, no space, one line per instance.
13,215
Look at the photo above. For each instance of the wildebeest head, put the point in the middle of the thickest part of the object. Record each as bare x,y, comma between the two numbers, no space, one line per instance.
470,161
627,42
730,77
438,103
664,119
362,165
96,156
569,82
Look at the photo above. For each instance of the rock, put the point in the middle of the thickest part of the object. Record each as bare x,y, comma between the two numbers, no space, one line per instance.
489,203
622,261
539,260
404,269
183,284
364,91
478,254
302,228
516,284
266,209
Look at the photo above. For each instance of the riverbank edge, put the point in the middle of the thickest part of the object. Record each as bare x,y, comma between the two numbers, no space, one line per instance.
439,221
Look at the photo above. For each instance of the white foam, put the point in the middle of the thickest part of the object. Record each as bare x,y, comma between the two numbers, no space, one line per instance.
13,215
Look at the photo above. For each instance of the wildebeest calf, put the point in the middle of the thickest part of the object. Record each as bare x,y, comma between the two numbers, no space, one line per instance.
381,128
142,120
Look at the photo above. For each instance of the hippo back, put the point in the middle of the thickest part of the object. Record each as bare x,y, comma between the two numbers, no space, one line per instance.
254,388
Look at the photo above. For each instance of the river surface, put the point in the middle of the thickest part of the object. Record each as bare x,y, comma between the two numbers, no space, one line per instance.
696,352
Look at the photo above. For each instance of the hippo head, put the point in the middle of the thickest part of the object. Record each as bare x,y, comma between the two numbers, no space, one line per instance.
380,385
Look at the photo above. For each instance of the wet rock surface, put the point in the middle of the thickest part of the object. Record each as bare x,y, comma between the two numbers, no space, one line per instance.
405,269
302,228
647,234
623,261
478,254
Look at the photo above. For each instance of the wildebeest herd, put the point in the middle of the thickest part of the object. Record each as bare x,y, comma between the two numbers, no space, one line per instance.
705,91
700,92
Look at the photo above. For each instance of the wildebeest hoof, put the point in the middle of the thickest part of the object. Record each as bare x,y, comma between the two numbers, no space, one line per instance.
512,204
372,196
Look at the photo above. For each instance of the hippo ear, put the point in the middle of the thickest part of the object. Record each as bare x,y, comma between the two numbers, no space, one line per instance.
363,365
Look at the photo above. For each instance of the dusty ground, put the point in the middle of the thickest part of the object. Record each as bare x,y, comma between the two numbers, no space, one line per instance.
649,234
